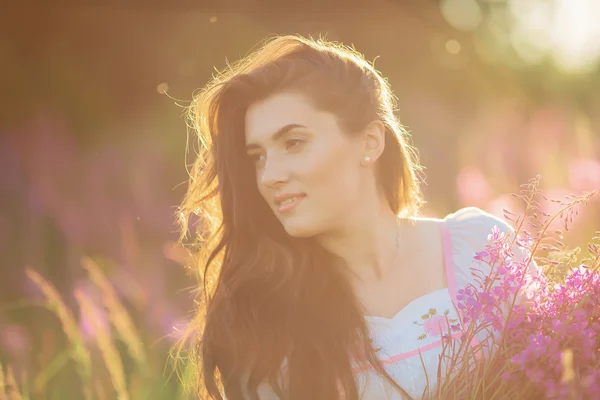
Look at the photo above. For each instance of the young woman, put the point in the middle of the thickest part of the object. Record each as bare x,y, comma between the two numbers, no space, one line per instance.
318,278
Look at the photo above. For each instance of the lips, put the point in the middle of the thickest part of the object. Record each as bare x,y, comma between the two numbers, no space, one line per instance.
286,203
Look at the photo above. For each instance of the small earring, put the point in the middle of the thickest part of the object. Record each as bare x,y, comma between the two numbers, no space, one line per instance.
367,159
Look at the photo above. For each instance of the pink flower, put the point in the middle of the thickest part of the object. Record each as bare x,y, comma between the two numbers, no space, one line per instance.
473,187
435,325
584,174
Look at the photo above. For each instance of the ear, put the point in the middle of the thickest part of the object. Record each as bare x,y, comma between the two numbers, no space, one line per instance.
373,142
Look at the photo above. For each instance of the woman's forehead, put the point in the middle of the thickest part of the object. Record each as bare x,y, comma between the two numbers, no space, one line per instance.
266,117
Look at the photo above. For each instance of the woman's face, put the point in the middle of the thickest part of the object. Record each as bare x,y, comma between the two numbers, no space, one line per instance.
307,169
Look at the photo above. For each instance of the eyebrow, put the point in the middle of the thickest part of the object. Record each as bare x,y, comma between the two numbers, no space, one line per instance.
277,135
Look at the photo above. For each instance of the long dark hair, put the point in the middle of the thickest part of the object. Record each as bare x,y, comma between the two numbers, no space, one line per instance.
264,298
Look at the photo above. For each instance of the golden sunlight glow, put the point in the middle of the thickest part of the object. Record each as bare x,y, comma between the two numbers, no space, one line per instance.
565,30
577,33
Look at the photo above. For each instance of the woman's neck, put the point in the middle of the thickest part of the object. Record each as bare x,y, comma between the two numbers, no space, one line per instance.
368,244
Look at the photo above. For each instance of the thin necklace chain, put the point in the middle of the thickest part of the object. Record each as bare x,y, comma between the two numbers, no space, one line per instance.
398,243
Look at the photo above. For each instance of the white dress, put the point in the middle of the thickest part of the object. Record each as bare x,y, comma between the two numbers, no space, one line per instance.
412,338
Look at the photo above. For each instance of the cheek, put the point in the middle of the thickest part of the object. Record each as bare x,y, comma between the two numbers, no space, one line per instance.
334,178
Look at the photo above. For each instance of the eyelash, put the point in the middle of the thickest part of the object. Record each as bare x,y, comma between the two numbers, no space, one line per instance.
299,141
255,157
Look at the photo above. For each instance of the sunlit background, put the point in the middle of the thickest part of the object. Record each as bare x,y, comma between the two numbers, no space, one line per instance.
92,150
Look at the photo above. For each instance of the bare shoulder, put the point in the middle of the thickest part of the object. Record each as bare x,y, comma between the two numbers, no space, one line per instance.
423,227
423,234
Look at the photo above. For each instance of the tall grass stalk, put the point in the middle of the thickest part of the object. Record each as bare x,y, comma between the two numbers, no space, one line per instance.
2,384
13,392
78,352
118,315
110,354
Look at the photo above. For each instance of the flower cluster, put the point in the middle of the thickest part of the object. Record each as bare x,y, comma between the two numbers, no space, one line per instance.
566,319
501,277
548,335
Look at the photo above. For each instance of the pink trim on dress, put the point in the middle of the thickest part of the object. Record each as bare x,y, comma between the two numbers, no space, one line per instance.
408,354
449,260
451,275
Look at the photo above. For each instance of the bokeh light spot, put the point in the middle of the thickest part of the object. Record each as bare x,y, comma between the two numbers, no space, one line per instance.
464,15
453,46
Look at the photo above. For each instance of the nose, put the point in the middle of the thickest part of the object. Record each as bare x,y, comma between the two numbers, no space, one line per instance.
273,174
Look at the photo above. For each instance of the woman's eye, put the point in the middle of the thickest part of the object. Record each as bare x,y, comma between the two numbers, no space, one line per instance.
289,144
256,158
292,143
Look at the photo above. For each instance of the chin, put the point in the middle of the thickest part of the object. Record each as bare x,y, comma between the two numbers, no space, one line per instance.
299,227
